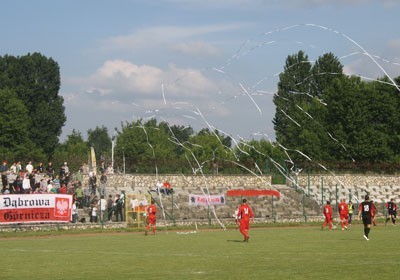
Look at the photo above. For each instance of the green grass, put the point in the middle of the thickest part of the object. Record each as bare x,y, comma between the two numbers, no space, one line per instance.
272,253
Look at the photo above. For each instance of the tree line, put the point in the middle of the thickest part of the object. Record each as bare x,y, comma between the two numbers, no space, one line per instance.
323,118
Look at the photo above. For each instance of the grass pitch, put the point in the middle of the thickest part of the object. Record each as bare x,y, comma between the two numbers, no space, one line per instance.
303,252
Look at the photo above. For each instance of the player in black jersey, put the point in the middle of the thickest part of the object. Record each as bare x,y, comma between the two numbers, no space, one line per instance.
391,212
364,211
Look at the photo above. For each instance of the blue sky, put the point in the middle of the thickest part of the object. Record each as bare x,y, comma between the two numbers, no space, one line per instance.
201,63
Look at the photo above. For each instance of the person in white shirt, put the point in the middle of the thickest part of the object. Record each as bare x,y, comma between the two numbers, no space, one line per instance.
26,184
102,205
159,187
74,213
29,167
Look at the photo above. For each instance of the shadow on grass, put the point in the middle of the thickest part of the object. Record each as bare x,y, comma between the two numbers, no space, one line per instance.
241,241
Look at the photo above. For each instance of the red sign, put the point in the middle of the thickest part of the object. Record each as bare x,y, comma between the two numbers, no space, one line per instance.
253,193
34,208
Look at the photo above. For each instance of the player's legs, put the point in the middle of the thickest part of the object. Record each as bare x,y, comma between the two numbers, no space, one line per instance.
153,225
367,227
244,229
342,221
326,222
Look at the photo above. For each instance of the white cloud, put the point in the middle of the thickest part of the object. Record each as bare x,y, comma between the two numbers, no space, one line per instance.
122,82
198,48
172,37
125,76
394,45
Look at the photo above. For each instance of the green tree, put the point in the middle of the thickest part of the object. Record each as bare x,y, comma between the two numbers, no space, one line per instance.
258,155
293,87
36,81
14,126
99,139
73,150
207,147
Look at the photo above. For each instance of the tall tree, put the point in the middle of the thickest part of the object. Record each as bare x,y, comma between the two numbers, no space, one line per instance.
73,150
293,90
36,81
14,125
100,141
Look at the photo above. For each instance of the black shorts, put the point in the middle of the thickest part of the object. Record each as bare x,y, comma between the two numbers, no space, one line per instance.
392,213
366,220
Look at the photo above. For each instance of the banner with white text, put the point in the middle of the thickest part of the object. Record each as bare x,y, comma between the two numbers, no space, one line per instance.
35,208
206,200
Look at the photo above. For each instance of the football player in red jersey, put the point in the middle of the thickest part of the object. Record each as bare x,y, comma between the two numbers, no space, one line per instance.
343,213
328,215
151,218
245,213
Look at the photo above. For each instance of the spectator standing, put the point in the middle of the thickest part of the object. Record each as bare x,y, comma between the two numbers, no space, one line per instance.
29,167
94,214
351,210
12,181
38,180
79,176
19,166
57,182
26,184
102,207
86,196
4,170
79,195
50,170
49,188
32,180
92,182
85,169
118,207
93,204
103,183
63,189
110,203
110,169
40,168
13,168
74,212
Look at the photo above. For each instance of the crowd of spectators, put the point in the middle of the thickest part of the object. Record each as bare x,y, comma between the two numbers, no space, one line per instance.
17,179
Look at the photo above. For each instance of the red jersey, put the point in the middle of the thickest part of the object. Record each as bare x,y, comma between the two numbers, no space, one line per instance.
343,209
328,210
152,210
373,210
245,212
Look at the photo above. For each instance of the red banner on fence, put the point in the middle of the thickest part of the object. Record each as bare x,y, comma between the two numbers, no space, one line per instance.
253,193
34,208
